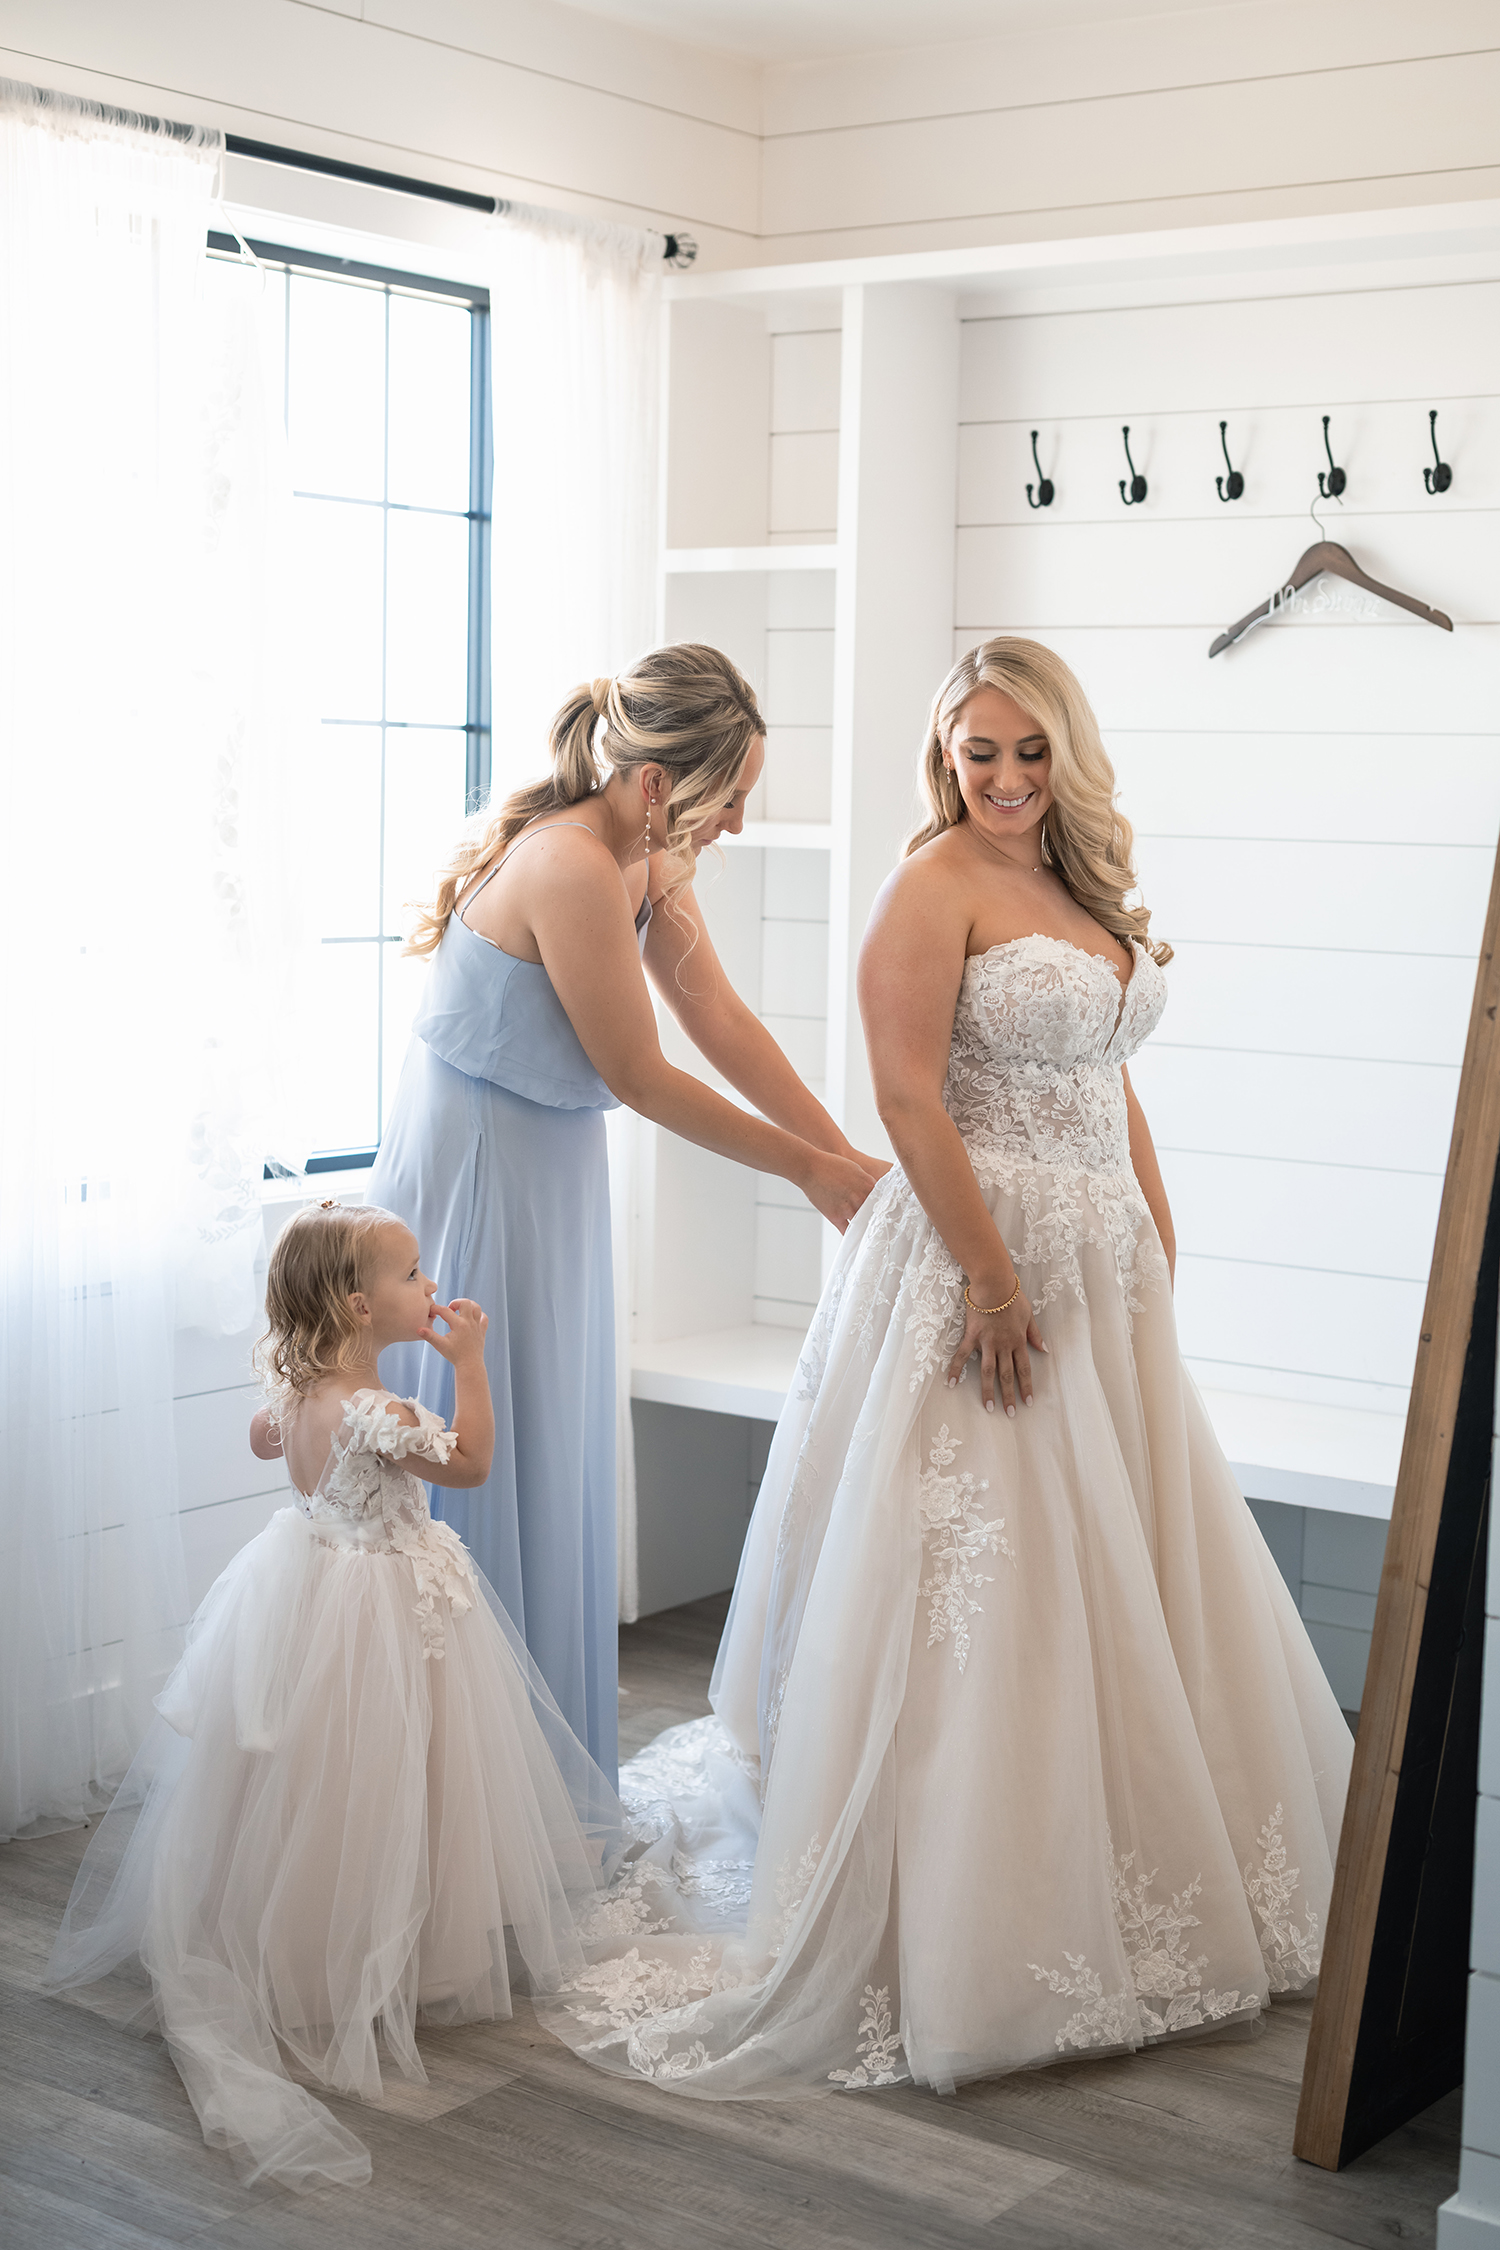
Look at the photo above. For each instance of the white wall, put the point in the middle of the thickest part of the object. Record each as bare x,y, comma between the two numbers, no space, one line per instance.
227,1496
1470,2220
1268,109
1316,809
1200,117
525,99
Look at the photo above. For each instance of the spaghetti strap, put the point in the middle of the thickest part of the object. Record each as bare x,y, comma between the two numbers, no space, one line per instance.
463,911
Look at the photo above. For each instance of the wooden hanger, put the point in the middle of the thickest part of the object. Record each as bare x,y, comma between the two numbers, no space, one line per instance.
1338,563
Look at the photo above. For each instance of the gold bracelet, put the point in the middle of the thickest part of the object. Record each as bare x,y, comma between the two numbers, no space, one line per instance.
985,1311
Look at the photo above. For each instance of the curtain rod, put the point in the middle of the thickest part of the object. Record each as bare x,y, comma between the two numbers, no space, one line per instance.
677,249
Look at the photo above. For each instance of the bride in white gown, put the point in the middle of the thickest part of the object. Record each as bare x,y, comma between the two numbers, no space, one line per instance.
1020,1747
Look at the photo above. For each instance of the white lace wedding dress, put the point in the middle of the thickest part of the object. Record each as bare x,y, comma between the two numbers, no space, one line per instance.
359,1809
1020,1748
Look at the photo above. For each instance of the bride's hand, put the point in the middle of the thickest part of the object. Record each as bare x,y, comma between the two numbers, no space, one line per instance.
1004,1342
835,1186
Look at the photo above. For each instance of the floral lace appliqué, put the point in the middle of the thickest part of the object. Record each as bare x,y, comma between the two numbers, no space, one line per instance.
1168,1994
792,1887
723,1883
956,1535
1291,1954
878,2046
1168,1980
628,1990
367,1495
1105,2019
625,1910
1034,1086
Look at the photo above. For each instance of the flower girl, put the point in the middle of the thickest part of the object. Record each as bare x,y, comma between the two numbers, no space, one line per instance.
359,1806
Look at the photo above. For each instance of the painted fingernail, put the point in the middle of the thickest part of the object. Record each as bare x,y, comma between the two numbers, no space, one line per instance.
1044,1347
1010,1410
953,1382
1028,1398
989,1406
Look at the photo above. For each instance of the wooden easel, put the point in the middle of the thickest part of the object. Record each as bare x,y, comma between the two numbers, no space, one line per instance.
1388,2025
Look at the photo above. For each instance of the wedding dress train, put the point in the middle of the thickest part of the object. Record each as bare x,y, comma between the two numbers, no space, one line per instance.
1020,1749
359,1810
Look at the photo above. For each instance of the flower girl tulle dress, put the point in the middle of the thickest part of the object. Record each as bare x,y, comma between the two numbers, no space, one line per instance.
359,1809
1021,1751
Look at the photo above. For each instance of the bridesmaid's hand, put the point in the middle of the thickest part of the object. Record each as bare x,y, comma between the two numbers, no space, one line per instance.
1002,1341
835,1185
465,1338
876,1166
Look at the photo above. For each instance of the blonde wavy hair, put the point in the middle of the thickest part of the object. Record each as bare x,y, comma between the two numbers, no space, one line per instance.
1085,837
322,1256
684,708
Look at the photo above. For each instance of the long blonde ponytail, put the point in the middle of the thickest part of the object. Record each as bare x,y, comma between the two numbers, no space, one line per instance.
685,708
1085,836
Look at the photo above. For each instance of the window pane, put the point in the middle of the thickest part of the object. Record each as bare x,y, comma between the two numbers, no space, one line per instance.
424,812
429,423
427,620
336,422
339,798
338,563
344,1068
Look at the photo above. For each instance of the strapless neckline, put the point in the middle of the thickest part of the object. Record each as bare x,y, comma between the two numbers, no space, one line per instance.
1039,937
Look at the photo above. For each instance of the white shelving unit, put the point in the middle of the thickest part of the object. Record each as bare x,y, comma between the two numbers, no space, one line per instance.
677,561
825,525
809,478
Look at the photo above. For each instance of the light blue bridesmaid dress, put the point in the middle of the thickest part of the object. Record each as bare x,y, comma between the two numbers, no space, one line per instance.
494,1156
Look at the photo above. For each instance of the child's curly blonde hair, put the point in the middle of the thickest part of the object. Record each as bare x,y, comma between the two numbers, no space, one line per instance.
321,1258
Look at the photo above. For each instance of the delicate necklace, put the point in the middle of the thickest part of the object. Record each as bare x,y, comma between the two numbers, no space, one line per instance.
1017,864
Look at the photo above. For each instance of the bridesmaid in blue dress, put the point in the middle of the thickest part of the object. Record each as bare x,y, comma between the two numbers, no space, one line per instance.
536,1021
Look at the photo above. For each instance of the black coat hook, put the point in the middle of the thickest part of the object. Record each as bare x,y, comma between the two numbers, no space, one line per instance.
1137,492
1235,487
1046,490
1439,478
1336,477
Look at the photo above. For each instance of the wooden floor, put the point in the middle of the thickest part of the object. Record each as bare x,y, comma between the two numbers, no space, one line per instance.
516,2143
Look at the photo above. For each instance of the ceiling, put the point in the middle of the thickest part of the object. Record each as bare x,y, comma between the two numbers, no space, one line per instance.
772,31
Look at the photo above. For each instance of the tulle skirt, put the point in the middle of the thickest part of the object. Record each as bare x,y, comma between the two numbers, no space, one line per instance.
1020,1749
328,1838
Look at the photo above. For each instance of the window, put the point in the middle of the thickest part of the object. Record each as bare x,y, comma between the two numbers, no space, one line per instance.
387,415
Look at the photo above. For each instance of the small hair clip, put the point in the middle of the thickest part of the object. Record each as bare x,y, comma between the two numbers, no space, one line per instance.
329,1203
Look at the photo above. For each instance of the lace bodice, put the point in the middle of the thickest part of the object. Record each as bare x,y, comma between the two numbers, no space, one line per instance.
1039,1034
368,1500
1034,1086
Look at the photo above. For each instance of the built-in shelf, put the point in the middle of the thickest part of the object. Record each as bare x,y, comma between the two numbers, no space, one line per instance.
785,835
1342,1458
1345,1460
722,1371
750,558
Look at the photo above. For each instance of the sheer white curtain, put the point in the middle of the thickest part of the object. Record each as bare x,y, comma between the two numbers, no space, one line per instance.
576,342
135,486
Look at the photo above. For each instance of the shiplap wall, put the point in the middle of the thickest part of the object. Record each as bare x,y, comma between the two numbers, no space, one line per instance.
1316,809
767,908
1331,1564
1266,109
802,508
1470,2220
541,102
1188,117
227,1496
